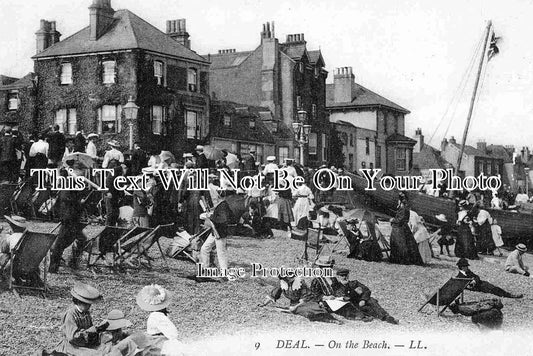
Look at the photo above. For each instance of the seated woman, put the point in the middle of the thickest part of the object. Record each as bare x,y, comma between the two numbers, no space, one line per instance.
301,299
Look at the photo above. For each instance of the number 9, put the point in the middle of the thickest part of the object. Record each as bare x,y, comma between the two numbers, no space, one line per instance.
257,345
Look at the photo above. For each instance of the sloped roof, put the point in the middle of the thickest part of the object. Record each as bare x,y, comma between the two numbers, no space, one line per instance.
429,158
24,82
472,151
396,137
315,57
500,151
128,31
227,60
295,51
5,80
361,97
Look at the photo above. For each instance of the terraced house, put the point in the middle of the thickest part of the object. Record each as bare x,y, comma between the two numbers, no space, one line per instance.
84,80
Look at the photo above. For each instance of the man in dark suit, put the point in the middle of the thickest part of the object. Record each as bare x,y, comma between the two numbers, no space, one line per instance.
8,157
56,148
478,285
138,159
359,295
201,159
249,163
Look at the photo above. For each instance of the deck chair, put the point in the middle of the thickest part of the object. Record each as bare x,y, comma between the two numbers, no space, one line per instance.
449,292
105,242
139,247
20,200
180,245
343,237
26,258
313,241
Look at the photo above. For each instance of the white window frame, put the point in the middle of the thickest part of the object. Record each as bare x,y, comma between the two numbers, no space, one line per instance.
313,111
105,115
401,152
298,102
159,72
66,73
317,72
252,123
301,67
109,72
191,124
158,119
283,152
67,120
313,143
227,120
13,100
324,148
192,79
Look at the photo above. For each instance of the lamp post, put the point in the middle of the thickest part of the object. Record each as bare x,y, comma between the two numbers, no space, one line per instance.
301,132
526,170
130,111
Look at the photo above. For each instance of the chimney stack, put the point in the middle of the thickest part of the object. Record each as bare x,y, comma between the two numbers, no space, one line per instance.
482,146
344,82
47,35
419,140
268,31
101,16
443,145
177,30
295,38
452,140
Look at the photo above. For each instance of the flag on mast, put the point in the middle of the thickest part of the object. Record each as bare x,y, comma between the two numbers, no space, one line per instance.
493,47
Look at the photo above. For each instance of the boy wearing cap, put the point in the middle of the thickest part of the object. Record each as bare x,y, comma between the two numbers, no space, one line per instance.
359,295
478,285
514,263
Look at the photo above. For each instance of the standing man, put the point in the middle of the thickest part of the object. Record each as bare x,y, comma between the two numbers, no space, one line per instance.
138,159
57,143
8,157
113,157
249,163
79,142
71,230
201,159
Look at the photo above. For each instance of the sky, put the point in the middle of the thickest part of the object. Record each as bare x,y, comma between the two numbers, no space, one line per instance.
413,52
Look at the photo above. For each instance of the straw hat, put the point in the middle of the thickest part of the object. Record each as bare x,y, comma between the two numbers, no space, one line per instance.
17,223
271,158
521,247
187,155
92,135
117,320
85,293
154,298
199,148
441,217
325,261
114,143
463,203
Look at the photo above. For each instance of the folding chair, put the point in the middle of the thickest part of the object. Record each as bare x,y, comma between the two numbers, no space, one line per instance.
107,241
313,239
20,200
185,240
139,246
447,294
343,236
32,249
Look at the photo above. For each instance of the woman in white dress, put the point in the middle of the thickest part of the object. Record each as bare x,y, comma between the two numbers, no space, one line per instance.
304,202
421,234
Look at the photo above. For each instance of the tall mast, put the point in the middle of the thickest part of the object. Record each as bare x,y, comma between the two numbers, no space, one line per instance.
472,101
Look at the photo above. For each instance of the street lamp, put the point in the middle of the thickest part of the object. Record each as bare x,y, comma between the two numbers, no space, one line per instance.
130,111
301,132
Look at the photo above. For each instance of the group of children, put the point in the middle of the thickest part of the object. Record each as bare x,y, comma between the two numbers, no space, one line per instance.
82,337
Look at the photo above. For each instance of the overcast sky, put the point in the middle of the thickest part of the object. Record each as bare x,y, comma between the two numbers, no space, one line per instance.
413,52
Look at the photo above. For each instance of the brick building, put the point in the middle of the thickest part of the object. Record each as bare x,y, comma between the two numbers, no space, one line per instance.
17,103
283,77
381,123
85,79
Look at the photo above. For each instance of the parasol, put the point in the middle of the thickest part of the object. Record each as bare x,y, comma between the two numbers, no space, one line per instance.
213,153
82,158
167,157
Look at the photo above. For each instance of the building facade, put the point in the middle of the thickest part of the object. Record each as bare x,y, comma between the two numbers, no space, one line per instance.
86,79
17,103
283,77
381,124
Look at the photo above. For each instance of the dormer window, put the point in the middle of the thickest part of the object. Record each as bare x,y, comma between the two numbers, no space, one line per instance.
158,72
66,73
301,67
313,111
227,120
298,102
13,100
109,72
252,123
317,72
192,79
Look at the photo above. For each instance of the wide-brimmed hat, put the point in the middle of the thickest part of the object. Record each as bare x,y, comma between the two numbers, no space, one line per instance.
92,135
271,158
187,155
463,203
114,143
325,261
463,262
148,171
17,223
117,320
521,247
343,272
352,221
199,148
154,298
441,217
85,293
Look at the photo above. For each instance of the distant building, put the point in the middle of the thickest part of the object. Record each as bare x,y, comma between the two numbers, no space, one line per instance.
381,123
359,146
17,103
475,160
86,79
426,157
283,77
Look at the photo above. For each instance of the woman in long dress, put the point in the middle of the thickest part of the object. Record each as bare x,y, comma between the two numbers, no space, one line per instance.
304,202
485,243
404,249
421,235
465,246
